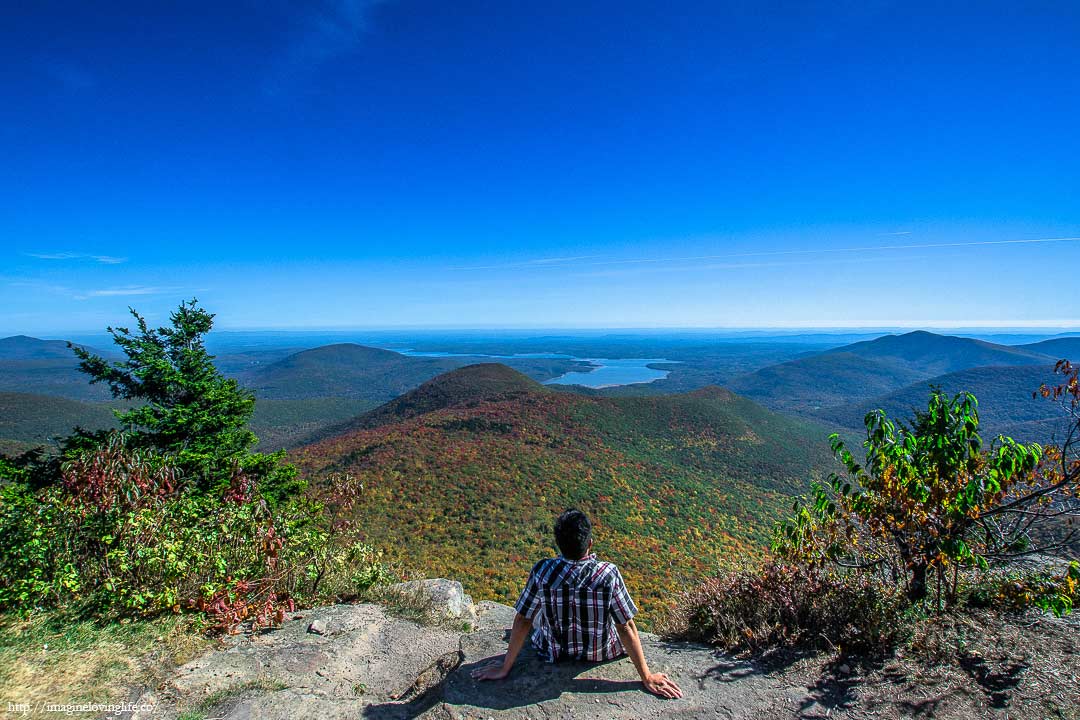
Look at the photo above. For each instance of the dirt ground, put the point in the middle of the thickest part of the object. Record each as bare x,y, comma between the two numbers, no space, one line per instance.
972,666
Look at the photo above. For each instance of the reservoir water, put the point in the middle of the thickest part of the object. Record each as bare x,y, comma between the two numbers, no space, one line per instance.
607,372
610,372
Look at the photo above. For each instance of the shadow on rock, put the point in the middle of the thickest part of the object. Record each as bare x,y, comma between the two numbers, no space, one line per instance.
532,682
998,685
837,688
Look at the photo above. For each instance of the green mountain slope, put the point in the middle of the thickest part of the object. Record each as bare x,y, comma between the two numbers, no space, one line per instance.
806,385
463,477
32,419
288,423
865,370
28,420
1006,405
1057,348
46,367
24,347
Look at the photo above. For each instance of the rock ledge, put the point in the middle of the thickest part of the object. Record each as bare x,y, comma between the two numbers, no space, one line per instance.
366,663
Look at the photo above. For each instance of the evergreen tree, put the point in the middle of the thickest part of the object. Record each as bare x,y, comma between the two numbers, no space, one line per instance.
190,411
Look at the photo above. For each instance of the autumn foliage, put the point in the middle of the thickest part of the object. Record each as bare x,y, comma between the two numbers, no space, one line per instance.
677,486
174,512
931,500
933,520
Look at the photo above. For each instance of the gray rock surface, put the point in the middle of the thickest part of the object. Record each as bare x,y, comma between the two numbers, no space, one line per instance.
364,656
369,664
537,689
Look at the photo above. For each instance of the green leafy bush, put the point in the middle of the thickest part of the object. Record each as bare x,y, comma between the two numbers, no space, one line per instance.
1051,592
121,534
929,523
35,569
931,501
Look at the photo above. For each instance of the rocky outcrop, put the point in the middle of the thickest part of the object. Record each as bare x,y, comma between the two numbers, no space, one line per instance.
447,597
363,662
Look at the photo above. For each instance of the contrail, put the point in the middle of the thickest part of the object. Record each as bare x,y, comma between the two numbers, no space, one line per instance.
538,262
773,253
744,265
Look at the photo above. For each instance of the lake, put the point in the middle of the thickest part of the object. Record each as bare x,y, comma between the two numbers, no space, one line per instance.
609,372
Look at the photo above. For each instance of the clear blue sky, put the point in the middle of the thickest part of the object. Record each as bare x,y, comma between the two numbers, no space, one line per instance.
433,163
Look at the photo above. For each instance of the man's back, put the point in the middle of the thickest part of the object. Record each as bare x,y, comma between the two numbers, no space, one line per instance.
579,609
574,606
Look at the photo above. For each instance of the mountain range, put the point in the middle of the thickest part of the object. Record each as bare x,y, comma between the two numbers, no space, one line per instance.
896,373
307,394
299,392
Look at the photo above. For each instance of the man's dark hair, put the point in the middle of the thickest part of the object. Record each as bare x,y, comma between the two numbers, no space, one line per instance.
572,533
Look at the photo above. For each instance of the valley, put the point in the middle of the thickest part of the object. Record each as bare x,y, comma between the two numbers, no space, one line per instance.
463,476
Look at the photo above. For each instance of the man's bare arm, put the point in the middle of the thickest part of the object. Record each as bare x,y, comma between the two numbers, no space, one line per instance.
518,634
656,683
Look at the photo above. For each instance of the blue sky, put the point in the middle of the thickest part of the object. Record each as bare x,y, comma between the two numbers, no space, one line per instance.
577,164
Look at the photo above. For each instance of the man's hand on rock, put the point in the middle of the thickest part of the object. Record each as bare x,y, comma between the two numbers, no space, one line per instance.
491,671
660,684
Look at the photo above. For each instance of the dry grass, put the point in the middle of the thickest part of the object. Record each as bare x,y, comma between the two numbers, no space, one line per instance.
56,659
417,606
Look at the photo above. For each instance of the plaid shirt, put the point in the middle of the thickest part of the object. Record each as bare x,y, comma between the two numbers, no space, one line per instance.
574,606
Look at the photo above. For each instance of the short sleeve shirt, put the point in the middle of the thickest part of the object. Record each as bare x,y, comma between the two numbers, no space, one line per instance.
574,606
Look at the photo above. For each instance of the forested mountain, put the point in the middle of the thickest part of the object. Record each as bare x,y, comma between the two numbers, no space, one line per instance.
931,354
809,384
857,373
464,475
47,367
356,371
311,393
462,387
28,420
1063,347
1006,405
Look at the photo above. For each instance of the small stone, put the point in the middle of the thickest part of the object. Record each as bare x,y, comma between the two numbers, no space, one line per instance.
318,627
845,669
447,597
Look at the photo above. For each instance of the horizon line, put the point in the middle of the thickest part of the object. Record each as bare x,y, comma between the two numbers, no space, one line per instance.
1049,328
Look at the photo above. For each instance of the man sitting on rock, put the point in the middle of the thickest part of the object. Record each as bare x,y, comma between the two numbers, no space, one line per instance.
580,610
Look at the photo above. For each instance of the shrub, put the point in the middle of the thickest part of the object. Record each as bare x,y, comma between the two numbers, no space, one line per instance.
175,512
857,559
931,499
1057,593
122,534
789,606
